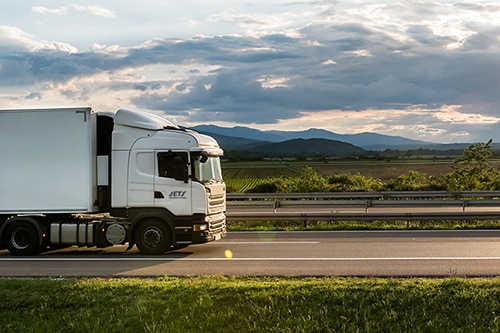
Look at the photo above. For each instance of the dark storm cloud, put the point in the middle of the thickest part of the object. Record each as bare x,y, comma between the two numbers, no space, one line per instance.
392,73
25,68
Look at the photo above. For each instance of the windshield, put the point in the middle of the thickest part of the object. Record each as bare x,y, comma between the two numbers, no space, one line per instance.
207,169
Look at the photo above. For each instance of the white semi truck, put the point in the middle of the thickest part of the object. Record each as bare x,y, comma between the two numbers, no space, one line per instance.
71,176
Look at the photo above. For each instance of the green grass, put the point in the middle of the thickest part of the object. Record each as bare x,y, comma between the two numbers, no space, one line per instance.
360,225
246,304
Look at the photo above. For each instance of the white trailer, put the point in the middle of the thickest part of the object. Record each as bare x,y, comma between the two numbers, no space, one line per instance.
70,176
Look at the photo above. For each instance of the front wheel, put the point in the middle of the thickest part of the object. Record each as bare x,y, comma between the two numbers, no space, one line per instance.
21,239
153,237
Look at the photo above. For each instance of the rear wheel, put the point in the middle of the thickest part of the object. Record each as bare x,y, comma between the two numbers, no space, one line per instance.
21,239
153,237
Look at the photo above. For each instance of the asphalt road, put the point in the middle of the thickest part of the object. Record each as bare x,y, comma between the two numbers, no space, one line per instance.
337,253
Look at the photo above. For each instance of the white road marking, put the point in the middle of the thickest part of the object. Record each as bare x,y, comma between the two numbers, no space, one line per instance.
264,242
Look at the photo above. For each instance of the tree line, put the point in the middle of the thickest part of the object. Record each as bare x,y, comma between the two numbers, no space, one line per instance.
471,172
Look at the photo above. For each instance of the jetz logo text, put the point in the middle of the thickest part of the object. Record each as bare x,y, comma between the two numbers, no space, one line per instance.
177,195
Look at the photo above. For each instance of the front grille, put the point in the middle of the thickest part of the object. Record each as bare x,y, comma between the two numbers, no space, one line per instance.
217,223
216,203
216,217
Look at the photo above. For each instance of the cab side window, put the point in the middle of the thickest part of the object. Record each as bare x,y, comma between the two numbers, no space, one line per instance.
169,162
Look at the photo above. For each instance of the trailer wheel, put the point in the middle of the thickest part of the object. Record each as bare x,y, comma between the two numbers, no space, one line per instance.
153,237
21,239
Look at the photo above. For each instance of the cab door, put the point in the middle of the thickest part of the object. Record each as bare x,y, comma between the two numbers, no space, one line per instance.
172,184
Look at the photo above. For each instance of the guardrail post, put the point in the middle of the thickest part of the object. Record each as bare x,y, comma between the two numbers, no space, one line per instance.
368,203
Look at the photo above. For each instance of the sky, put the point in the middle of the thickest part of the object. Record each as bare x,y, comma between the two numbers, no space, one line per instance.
424,70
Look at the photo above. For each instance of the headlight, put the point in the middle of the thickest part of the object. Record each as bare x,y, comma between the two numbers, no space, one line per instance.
200,227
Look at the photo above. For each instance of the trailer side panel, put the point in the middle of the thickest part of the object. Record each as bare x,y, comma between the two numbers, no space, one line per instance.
47,161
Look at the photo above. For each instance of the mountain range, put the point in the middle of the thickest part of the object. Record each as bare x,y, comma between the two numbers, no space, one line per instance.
314,142
238,137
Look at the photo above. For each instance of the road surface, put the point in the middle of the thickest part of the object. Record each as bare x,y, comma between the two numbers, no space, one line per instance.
329,253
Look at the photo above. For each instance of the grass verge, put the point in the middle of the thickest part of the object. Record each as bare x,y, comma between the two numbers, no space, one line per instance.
360,225
246,304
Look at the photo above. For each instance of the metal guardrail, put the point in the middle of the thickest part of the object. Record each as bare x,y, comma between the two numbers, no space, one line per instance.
334,206
363,195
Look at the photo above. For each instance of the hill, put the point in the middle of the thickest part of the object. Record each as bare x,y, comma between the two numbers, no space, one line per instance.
305,147
370,141
365,140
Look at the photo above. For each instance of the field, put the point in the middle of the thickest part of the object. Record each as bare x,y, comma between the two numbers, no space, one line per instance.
248,304
243,176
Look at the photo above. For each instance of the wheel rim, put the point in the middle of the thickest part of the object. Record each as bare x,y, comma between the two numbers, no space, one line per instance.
152,237
21,238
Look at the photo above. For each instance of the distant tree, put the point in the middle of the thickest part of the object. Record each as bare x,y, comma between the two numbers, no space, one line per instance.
477,155
415,181
473,171
354,183
308,181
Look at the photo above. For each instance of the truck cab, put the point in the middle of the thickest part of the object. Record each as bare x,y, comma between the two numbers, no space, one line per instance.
159,170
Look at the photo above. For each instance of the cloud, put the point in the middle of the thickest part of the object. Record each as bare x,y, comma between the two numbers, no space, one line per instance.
93,10
14,39
253,22
390,67
44,10
34,96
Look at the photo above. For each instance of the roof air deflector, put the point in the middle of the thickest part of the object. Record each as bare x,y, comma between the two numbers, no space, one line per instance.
142,120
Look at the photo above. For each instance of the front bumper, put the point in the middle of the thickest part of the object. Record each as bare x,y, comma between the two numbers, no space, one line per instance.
214,228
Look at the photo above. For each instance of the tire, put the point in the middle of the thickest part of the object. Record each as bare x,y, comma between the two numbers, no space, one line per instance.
153,237
21,239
